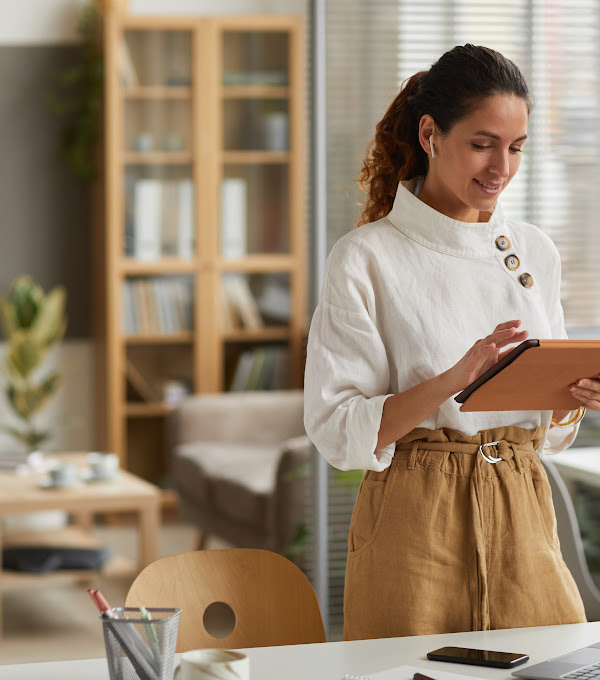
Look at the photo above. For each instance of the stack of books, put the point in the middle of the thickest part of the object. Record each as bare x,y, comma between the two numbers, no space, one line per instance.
264,368
162,220
157,304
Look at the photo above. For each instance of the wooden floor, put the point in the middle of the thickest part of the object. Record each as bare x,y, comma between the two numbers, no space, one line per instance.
60,622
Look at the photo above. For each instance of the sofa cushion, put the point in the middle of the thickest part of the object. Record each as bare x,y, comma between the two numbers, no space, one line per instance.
235,478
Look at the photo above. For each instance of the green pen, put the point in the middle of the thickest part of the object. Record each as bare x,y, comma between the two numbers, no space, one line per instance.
145,614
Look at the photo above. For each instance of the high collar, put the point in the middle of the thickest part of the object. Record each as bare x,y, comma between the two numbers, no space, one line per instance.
434,230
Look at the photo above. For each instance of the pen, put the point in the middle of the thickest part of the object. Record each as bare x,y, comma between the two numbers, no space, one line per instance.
145,614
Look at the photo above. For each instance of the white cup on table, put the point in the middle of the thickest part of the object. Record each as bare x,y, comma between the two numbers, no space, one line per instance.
63,474
213,664
103,466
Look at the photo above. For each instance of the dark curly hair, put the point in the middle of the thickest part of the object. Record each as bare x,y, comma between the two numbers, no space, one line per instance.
452,88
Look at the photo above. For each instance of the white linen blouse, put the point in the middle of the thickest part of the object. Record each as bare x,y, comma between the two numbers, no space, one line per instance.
403,299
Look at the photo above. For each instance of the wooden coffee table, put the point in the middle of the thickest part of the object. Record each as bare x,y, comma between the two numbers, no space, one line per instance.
125,493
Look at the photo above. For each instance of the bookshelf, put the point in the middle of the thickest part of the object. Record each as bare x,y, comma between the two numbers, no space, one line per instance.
201,282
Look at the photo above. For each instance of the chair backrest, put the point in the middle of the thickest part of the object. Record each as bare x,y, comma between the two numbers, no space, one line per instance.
570,542
259,416
272,600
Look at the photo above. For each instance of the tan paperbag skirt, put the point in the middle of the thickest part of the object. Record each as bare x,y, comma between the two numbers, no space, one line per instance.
444,540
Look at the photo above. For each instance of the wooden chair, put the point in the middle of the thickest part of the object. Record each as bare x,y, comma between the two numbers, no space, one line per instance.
273,602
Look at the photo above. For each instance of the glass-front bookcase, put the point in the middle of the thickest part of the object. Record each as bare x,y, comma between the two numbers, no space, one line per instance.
203,284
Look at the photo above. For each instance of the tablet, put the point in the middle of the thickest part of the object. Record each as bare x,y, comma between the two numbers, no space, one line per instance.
534,376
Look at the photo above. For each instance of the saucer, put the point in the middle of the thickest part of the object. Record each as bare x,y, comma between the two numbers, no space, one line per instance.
87,475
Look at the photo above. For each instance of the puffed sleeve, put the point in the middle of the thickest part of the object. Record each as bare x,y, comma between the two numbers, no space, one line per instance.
347,372
558,438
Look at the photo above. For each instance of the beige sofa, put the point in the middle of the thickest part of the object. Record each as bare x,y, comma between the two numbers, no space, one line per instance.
240,465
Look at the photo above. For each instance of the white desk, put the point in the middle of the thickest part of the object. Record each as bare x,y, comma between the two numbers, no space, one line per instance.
330,661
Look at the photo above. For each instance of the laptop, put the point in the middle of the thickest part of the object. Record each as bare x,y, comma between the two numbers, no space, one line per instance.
582,664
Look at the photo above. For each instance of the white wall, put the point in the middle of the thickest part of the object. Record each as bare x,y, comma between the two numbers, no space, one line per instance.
44,22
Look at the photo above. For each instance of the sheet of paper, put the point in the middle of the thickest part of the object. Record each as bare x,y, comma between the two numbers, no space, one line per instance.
407,672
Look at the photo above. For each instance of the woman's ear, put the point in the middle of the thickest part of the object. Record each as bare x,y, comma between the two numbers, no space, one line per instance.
426,134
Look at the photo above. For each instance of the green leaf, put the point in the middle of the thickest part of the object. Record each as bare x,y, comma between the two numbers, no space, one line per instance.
348,479
14,432
12,394
50,323
26,295
299,543
31,437
27,401
25,353
71,75
8,315
297,473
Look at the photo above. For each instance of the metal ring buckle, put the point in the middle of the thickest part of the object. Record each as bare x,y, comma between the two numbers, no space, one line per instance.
490,459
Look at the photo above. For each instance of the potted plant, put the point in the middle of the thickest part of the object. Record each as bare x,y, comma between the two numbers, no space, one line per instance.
34,323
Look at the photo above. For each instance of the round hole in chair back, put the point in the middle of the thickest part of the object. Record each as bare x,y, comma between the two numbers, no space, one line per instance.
219,620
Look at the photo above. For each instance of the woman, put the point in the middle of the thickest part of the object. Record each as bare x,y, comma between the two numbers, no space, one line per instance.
436,285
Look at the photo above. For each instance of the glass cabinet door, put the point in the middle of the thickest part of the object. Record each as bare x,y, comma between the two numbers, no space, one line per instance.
156,81
256,143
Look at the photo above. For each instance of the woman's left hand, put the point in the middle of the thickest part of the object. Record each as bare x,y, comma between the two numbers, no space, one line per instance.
587,390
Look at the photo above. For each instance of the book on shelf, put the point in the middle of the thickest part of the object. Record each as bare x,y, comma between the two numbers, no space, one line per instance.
263,368
129,75
147,219
158,305
141,307
163,219
171,324
242,300
144,388
234,217
150,298
186,242
183,298
254,378
169,218
242,371
229,319
130,324
161,304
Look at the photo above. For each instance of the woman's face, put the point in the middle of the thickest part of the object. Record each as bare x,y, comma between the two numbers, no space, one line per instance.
476,159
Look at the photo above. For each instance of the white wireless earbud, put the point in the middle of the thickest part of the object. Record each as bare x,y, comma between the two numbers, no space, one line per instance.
431,146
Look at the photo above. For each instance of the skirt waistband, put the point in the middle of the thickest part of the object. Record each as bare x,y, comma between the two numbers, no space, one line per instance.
461,447
450,440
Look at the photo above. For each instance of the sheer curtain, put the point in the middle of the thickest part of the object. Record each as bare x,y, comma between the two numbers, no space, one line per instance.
373,46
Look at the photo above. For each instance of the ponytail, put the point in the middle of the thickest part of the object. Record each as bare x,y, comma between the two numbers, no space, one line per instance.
393,155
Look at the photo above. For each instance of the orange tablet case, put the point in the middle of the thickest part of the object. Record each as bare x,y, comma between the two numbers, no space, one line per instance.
537,379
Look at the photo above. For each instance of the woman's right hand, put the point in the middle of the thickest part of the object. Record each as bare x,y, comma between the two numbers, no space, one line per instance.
484,354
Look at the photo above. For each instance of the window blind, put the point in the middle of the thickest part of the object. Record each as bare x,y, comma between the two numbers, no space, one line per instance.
374,46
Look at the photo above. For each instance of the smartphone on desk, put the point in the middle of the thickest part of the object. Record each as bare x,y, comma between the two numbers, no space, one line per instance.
478,657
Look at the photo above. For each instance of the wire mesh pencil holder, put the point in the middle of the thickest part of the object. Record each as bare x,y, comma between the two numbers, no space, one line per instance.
139,648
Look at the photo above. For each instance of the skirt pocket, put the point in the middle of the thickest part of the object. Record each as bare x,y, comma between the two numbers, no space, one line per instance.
543,496
367,509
